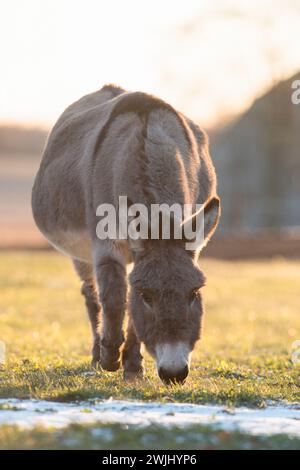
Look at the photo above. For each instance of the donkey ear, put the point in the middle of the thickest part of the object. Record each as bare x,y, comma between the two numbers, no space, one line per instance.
212,213
203,223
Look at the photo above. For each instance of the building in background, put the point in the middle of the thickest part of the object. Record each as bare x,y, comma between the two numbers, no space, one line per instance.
258,164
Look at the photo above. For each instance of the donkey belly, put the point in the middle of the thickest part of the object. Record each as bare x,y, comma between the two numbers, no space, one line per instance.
76,244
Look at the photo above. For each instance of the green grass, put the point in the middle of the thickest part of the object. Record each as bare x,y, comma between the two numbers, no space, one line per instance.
252,318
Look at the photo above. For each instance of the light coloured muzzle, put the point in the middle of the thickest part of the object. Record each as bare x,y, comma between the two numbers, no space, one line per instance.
173,360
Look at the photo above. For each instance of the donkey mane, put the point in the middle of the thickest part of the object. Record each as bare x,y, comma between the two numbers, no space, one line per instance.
114,89
141,104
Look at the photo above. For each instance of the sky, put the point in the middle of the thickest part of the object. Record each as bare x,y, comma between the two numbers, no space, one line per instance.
208,59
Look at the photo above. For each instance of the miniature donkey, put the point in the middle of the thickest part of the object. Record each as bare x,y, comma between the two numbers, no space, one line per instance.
108,144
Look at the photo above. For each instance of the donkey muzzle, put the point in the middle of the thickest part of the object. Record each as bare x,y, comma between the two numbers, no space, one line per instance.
173,362
173,377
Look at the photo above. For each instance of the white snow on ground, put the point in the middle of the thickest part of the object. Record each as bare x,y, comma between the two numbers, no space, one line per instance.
270,420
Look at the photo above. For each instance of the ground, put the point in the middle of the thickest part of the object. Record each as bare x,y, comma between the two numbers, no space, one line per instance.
244,358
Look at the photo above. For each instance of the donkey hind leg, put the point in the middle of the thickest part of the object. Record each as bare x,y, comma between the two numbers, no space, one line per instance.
111,278
89,291
131,358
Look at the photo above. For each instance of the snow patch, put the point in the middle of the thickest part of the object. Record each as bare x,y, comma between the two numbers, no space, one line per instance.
268,421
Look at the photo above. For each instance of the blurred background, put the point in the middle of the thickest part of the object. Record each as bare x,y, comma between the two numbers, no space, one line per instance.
228,65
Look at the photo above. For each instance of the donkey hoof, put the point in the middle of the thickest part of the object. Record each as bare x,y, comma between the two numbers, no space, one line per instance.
110,366
109,362
130,375
109,358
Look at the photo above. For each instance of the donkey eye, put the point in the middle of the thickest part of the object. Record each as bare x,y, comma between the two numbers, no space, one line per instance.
193,295
147,298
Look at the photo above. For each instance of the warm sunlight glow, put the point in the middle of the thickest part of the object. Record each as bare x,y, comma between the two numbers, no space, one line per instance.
210,59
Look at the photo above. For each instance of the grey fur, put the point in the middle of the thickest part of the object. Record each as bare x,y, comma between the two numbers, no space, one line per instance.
113,143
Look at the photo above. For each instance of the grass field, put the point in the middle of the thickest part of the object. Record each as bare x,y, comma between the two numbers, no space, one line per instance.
252,318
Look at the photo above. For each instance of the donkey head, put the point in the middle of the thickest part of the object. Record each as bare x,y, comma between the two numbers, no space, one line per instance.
165,300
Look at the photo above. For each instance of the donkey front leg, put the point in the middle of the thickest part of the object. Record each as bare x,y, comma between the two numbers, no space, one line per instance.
111,277
88,289
131,358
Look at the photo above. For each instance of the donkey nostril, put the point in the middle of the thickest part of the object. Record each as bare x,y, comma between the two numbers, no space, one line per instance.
182,374
169,377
